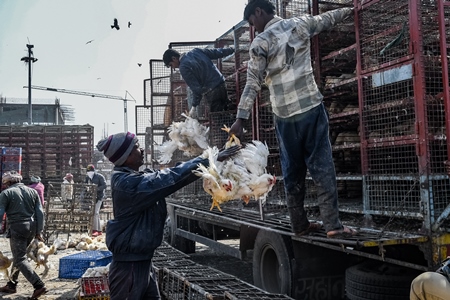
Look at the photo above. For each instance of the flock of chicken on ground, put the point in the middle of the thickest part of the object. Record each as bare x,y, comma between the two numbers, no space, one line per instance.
244,176
38,252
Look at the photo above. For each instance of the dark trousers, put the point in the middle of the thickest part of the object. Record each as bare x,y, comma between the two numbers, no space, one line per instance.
305,145
217,98
21,236
133,280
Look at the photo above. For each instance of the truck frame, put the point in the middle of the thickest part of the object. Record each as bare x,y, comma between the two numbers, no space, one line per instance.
384,75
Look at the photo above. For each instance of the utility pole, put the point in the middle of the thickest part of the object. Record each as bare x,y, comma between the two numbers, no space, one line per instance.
29,59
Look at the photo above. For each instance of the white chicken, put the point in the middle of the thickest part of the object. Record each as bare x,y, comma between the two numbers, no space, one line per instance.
255,156
5,263
39,252
243,176
220,188
189,136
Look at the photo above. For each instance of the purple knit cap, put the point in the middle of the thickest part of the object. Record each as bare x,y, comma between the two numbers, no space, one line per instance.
117,147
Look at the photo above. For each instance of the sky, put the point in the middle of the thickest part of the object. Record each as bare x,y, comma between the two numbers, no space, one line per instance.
61,29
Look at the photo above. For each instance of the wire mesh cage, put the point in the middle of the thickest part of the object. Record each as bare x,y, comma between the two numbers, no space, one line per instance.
403,111
69,209
387,41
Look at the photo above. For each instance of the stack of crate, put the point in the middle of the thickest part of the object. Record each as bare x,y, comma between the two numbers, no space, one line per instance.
51,151
64,217
10,160
404,88
181,278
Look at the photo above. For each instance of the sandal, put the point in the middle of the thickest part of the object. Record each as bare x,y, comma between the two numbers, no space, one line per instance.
344,232
313,227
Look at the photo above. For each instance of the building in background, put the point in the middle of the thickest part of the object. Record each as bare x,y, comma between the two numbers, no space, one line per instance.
14,111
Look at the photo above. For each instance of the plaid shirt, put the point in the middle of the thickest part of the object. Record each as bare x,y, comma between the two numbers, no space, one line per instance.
281,53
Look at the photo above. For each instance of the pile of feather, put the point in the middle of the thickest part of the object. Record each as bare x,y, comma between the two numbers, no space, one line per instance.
189,136
243,176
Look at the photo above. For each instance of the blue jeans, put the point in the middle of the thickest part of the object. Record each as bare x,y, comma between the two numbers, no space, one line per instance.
305,145
133,280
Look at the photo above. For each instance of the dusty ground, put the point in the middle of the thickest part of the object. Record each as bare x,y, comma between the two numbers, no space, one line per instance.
65,289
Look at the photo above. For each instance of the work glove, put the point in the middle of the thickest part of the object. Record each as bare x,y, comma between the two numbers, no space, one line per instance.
193,113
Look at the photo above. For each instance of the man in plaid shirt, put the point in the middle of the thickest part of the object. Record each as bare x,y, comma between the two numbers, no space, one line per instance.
280,56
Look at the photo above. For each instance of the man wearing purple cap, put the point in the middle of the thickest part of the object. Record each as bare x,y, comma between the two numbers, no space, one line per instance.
140,212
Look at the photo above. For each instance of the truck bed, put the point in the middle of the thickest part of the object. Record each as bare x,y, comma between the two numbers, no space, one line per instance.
363,244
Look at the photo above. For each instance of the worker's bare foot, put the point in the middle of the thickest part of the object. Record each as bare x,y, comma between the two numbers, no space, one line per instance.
344,232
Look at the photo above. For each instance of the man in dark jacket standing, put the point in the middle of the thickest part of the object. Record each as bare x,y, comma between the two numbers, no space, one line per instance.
139,209
92,177
26,222
201,76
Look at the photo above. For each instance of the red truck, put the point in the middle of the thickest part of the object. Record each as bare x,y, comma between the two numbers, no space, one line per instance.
384,75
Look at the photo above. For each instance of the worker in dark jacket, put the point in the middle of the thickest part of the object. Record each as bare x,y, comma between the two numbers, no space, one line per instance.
139,209
26,222
92,177
202,76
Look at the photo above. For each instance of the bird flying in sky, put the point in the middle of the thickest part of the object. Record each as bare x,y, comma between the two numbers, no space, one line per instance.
139,64
88,42
129,24
116,24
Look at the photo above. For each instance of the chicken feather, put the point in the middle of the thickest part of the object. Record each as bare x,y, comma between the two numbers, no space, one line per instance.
188,136
242,177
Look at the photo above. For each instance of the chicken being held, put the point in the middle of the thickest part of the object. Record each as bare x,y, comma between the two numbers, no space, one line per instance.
242,177
5,263
38,252
221,189
189,136
255,155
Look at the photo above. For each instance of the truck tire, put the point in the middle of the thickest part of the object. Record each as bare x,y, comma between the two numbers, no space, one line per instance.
272,270
378,281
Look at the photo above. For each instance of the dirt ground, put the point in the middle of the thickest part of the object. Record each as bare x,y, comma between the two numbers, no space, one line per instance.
65,289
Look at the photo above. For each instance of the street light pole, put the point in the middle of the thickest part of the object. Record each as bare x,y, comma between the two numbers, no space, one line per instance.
29,59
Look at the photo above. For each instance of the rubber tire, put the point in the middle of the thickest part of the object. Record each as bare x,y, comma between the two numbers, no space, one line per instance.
272,269
378,281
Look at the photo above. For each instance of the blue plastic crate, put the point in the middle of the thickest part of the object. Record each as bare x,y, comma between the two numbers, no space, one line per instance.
11,151
73,266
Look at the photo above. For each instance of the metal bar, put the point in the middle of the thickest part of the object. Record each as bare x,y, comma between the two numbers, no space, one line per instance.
441,218
443,43
210,243
349,250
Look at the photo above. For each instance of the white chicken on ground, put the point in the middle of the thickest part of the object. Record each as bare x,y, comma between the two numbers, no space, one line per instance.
189,136
5,263
242,177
